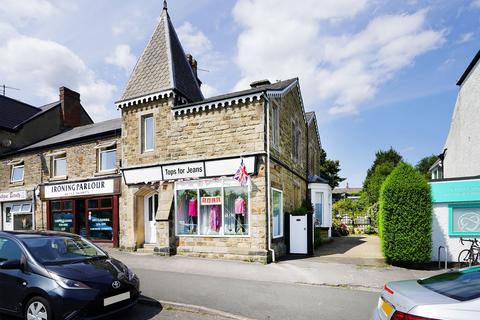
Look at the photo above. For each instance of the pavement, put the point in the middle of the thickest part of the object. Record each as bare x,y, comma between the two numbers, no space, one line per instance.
341,281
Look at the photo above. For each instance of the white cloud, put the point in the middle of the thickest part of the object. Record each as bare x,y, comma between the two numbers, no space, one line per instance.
122,58
339,72
27,9
195,42
466,37
475,4
40,67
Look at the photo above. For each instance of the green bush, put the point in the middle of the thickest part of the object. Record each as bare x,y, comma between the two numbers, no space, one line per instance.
317,242
300,211
405,217
369,230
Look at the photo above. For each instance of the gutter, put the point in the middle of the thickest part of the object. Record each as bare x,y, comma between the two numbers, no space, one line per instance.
269,200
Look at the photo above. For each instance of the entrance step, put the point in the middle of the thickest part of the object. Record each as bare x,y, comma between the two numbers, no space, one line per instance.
147,248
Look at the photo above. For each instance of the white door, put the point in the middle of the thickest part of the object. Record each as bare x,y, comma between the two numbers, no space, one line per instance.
7,218
298,234
150,208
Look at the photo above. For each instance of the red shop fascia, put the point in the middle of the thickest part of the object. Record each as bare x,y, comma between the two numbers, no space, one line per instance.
88,208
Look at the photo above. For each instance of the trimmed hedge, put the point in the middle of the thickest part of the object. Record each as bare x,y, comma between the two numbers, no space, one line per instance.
405,217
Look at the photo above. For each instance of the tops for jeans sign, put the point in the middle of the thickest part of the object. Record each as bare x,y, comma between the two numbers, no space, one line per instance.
240,206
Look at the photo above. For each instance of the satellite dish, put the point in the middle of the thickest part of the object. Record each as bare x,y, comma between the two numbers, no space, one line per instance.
6,143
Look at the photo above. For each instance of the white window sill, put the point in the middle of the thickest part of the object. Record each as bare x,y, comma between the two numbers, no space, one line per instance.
58,178
17,183
105,172
277,237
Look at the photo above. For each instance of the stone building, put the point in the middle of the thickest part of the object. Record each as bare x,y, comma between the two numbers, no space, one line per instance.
68,182
456,174
181,151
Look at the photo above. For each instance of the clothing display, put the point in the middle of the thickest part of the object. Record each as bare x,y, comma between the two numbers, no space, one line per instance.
240,206
192,208
215,218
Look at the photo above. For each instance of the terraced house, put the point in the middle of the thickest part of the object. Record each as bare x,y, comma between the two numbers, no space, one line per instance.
162,178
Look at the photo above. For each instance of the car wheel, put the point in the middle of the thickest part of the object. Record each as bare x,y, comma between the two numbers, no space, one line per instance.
38,308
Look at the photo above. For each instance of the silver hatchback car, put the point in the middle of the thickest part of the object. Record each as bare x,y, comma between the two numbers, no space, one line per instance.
453,295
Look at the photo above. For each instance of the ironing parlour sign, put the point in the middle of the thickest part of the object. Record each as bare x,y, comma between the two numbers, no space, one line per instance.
208,201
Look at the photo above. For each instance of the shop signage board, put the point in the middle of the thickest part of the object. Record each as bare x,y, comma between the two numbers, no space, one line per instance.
13,195
456,191
75,189
188,170
208,201
185,170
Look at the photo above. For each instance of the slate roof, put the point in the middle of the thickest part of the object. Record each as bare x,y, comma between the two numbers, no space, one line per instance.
347,190
309,116
163,66
78,133
469,68
279,85
14,112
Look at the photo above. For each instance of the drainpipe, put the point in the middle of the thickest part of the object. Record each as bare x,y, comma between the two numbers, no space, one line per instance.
269,200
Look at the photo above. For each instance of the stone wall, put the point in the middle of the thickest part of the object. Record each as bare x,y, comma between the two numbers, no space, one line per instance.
220,132
314,149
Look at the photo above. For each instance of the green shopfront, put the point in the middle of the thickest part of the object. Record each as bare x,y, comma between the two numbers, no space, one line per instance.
88,208
456,214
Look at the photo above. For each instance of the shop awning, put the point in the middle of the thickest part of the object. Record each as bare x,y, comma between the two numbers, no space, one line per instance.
165,202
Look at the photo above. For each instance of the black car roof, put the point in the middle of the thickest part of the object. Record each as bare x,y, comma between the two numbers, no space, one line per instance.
37,234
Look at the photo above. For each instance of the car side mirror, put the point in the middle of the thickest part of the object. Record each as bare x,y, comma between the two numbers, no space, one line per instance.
11,265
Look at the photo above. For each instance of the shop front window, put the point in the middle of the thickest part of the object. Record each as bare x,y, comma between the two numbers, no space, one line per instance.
210,211
212,208
100,220
277,213
62,216
465,220
187,211
236,210
18,216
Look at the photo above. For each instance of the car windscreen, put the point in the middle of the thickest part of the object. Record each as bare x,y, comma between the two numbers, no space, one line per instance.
58,250
462,285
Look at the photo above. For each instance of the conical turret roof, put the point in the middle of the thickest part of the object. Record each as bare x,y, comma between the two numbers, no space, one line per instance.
163,66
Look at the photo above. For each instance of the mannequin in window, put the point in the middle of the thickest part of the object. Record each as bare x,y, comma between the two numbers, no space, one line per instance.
193,213
240,210
215,218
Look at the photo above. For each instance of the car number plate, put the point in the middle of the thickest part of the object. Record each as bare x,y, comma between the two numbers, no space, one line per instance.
115,299
386,308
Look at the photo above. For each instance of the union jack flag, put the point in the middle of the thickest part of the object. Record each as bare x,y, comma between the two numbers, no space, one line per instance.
242,175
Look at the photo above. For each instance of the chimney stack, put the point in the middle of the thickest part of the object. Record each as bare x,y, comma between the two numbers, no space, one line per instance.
194,65
70,107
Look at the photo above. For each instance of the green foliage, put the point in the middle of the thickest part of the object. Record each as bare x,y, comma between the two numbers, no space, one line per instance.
369,230
348,207
424,165
405,222
339,228
384,163
329,170
372,212
300,211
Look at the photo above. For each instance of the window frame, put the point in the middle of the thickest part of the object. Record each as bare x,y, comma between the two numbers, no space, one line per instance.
101,152
54,168
16,166
453,233
209,184
282,215
143,139
275,125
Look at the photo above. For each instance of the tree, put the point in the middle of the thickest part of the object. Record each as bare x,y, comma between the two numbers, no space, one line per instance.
423,166
385,156
347,207
405,218
329,170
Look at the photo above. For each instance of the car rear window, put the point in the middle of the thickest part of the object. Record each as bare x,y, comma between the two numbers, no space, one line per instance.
462,285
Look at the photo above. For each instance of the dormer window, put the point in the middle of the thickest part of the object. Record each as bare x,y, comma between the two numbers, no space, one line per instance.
17,171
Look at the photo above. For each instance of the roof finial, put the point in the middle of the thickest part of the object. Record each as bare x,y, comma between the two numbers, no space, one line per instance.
165,7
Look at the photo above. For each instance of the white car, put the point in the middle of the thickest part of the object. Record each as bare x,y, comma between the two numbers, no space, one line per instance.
453,295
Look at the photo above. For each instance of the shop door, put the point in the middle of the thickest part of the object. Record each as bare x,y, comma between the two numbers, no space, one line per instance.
298,234
150,208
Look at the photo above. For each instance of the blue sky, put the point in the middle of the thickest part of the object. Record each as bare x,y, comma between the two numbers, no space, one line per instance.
377,73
